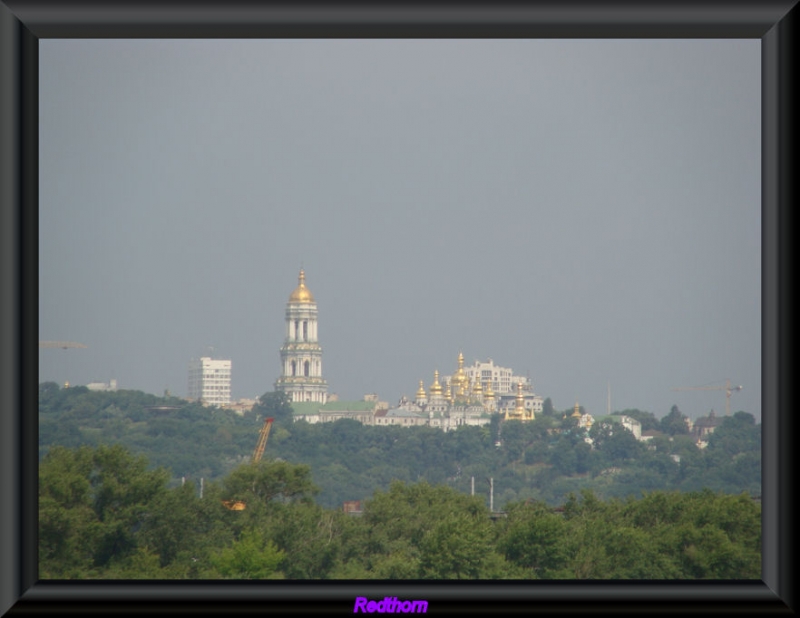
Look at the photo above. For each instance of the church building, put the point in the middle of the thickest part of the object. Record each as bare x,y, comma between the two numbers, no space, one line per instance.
301,354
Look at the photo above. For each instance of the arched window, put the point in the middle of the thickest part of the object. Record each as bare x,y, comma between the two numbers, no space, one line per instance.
296,329
294,368
305,330
305,368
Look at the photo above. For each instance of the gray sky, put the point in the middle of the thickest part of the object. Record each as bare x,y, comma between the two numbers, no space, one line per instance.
585,212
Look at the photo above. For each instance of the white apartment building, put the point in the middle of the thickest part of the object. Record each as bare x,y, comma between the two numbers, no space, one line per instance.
504,383
503,380
210,381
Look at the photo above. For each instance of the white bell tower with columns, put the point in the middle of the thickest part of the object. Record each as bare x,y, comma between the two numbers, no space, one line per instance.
301,354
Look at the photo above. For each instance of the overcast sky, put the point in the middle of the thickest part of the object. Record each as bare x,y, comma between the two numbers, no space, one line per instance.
586,212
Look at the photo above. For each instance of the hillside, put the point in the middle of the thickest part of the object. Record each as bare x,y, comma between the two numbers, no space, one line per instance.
545,460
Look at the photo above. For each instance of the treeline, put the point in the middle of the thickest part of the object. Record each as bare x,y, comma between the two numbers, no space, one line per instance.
545,460
105,513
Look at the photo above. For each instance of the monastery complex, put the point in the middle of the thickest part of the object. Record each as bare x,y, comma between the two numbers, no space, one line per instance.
468,396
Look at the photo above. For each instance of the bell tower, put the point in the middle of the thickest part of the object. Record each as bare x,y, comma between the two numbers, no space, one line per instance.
301,354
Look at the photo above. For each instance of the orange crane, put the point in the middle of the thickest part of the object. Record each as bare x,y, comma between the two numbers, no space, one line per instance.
727,388
262,440
239,505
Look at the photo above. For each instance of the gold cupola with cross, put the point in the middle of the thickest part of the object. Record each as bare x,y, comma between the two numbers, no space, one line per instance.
301,355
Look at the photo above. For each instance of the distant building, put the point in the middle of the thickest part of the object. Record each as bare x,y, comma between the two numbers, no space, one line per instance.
472,394
111,385
705,425
361,411
241,406
210,381
301,354
487,378
628,422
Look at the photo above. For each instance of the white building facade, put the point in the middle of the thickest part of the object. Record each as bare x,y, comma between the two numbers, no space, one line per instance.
210,381
504,384
301,355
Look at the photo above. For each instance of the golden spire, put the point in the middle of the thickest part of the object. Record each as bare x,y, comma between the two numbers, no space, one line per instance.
301,293
460,379
421,391
436,388
488,392
477,388
448,394
519,410
577,412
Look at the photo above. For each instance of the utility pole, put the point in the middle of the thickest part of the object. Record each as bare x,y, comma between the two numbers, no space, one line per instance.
472,483
491,495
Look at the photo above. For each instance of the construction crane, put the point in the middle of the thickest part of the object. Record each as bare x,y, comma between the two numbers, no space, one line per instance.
60,344
262,440
727,388
239,505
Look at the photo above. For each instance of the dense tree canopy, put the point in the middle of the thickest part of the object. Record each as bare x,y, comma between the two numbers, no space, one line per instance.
104,514
92,444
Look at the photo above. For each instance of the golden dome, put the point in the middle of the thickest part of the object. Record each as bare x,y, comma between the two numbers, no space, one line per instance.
301,294
489,392
576,413
421,391
436,388
460,379
477,387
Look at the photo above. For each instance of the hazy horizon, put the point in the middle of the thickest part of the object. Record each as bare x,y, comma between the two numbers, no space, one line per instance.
586,212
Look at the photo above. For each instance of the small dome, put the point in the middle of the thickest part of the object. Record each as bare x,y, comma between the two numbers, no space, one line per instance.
421,391
436,388
301,294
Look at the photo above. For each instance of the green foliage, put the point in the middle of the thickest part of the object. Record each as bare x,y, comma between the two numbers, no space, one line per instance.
104,514
674,423
535,538
266,481
91,502
647,419
249,557
424,531
543,460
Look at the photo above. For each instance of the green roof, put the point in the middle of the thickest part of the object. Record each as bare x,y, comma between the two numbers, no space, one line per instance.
309,407
349,406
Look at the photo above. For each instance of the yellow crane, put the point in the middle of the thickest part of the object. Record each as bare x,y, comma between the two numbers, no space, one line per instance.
727,388
239,505
262,440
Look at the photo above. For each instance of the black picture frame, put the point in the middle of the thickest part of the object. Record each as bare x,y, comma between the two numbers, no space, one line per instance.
23,23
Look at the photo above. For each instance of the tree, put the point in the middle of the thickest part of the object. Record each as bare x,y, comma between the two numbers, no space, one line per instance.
438,532
458,546
536,539
648,420
267,481
675,423
250,557
275,404
91,503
